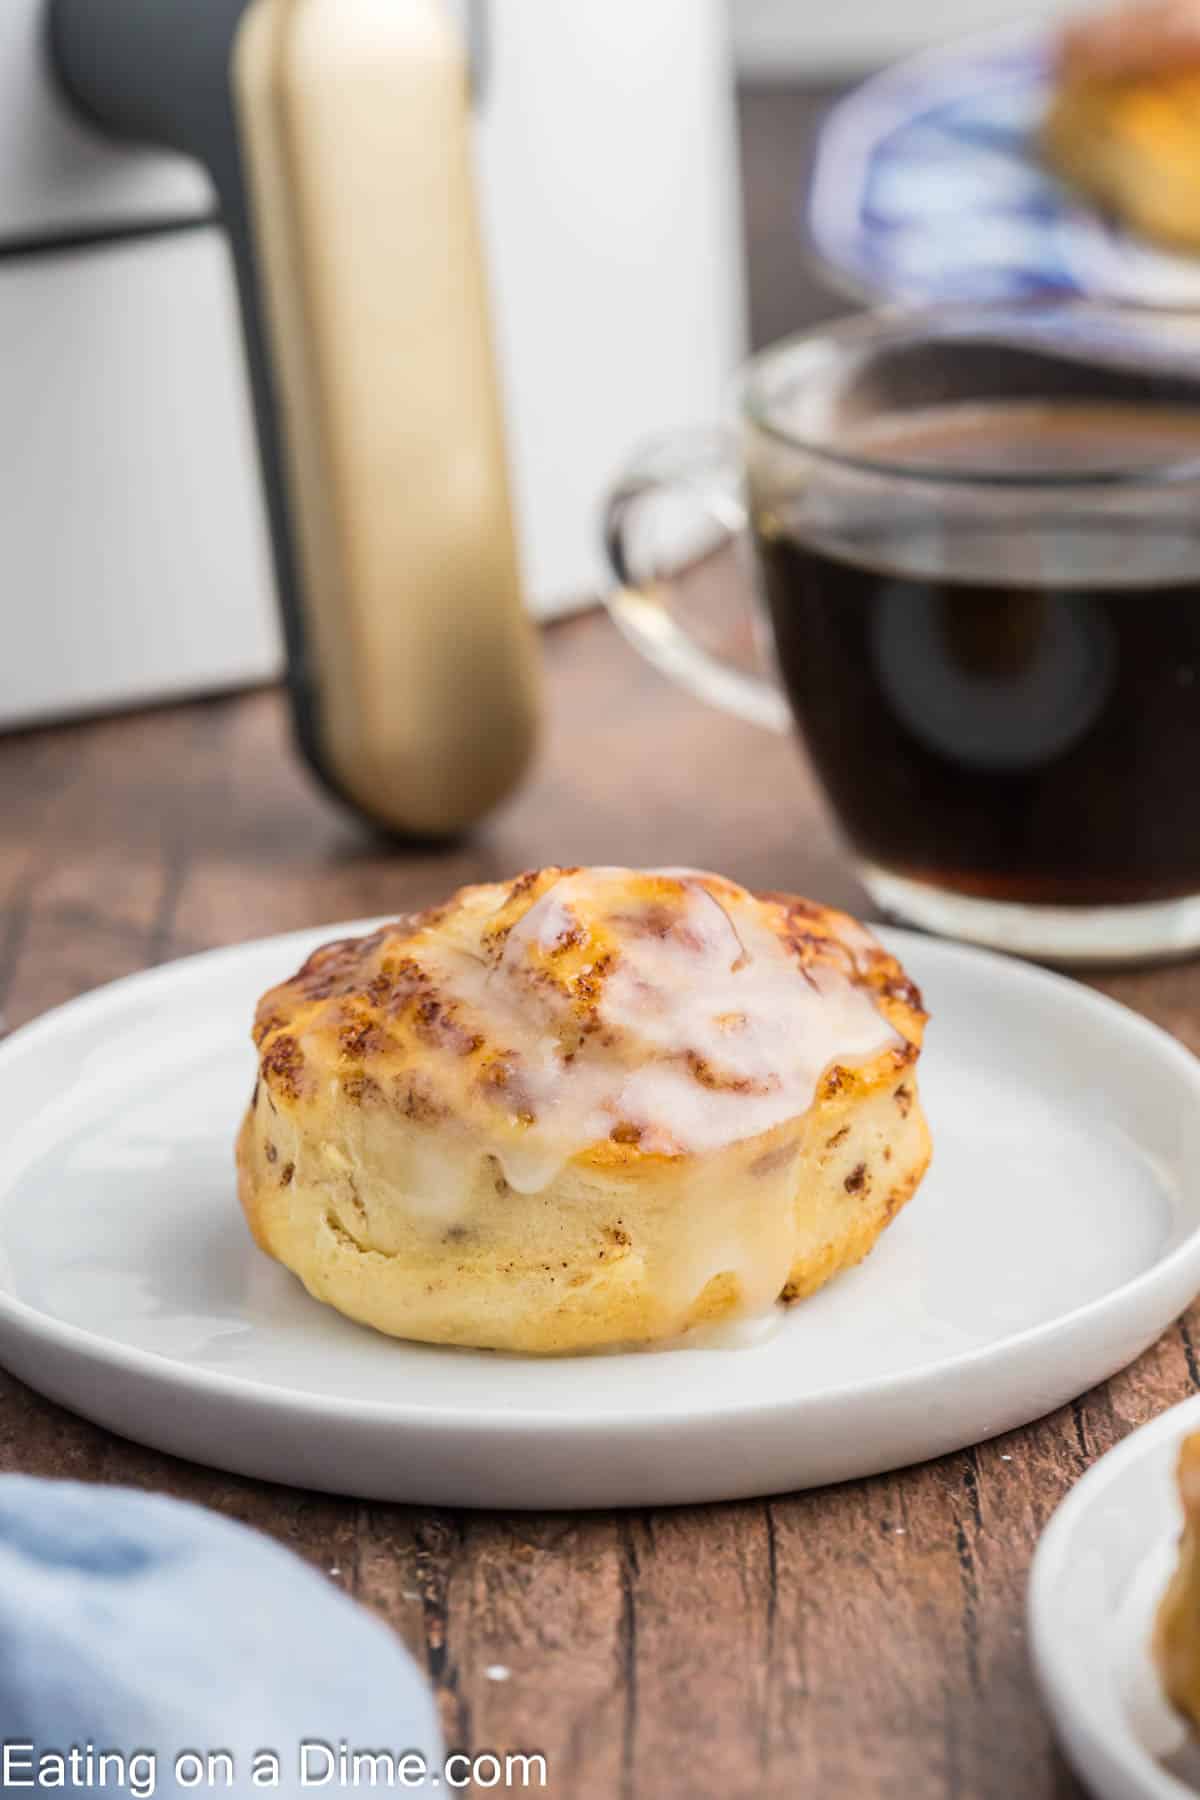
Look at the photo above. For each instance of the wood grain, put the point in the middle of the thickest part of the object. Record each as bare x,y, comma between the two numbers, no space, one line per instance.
863,1641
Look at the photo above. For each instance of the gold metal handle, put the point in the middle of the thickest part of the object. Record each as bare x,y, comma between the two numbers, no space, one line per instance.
354,123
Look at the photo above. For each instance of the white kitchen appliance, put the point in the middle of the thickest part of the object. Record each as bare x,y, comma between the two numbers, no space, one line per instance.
135,546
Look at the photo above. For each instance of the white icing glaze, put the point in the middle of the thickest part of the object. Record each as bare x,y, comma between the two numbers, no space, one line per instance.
707,1030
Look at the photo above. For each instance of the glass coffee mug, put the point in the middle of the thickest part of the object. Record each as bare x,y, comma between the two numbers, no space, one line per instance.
976,535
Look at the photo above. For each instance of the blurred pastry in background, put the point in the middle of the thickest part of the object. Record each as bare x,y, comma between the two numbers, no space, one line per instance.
1177,1632
1124,124
584,1109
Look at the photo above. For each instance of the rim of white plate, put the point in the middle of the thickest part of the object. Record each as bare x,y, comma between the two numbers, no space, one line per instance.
1067,1697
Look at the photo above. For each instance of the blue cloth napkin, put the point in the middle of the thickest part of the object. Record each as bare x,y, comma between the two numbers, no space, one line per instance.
131,1623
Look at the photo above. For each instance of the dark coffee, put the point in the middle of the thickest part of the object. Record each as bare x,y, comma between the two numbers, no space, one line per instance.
1007,709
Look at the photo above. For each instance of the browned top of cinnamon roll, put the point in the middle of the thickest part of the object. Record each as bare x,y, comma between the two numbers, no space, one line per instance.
1135,39
661,1012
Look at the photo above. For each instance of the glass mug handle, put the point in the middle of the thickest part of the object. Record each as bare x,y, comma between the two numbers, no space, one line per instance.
688,483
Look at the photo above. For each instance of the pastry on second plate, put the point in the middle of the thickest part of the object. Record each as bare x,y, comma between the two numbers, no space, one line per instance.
587,1108
1177,1632
1124,123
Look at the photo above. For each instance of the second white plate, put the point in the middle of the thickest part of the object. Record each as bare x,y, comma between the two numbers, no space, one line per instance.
1101,1569
1057,1235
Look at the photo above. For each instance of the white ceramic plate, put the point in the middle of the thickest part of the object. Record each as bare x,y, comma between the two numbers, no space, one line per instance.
1057,1234
1100,1571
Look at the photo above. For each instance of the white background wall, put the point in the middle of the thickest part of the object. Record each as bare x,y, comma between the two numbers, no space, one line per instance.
790,38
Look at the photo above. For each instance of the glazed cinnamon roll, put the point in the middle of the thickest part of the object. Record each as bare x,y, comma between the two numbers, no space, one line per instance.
1177,1631
584,1109
1124,121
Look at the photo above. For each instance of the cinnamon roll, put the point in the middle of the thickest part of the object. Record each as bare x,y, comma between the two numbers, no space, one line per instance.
1177,1631
1124,123
588,1108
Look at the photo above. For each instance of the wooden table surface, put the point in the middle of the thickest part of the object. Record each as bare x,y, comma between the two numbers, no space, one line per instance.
865,1640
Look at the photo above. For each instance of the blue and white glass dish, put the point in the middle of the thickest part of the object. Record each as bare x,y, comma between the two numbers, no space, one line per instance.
928,185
